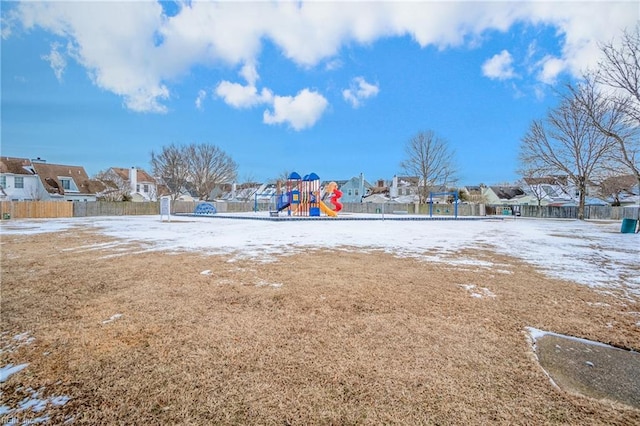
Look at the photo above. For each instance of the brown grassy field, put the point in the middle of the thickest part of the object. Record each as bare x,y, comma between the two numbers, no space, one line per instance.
322,337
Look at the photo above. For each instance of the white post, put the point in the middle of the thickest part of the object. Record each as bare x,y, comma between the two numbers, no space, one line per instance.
165,207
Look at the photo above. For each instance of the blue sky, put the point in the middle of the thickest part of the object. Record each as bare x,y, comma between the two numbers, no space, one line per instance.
335,88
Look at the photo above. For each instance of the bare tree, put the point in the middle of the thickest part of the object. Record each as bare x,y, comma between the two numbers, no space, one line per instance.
172,167
247,177
620,69
566,143
615,186
532,182
209,166
429,158
116,189
611,98
282,177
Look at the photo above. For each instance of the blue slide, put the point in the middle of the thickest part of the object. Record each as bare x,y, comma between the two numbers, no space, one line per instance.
283,202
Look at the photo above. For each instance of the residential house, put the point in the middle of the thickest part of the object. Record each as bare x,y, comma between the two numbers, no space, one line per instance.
378,194
474,194
135,182
68,183
405,186
221,191
406,189
240,192
549,190
265,193
22,179
18,180
403,189
558,191
507,196
354,189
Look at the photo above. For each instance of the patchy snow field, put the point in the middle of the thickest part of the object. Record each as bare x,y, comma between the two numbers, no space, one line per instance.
592,253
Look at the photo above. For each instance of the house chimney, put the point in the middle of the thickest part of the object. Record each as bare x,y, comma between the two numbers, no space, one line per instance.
233,191
133,179
394,187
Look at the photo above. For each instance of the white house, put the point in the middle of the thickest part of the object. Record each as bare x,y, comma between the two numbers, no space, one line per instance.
22,179
18,180
549,190
507,196
137,183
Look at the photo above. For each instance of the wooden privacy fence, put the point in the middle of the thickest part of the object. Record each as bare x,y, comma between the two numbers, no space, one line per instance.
54,209
115,208
35,209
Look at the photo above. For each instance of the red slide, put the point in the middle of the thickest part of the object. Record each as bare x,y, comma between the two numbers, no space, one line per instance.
334,200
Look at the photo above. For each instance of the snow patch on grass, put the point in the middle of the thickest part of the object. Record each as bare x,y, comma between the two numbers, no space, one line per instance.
113,318
34,402
9,370
478,292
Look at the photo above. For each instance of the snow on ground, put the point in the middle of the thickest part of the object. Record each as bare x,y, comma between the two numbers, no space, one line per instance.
9,370
478,292
590,253
34,401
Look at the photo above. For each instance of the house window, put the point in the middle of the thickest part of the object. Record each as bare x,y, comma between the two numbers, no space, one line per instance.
18,182
138,188
356,192
349,192
3,181
67,183
145,188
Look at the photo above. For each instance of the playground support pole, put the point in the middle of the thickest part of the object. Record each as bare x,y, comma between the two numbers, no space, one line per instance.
455,201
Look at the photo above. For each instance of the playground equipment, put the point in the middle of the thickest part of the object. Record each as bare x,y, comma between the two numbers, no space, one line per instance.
205,209
332,188
303,196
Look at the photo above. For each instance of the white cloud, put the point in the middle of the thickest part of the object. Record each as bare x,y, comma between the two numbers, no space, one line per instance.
239,96
146,51
300,111
500,66
550,68
358,91
250,74
244,96
56,60
333,64
202,95
119,58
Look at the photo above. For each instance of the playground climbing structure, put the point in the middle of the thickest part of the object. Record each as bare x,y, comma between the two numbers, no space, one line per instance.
302,196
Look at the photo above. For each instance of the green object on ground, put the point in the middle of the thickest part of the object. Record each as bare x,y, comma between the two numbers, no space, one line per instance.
628,226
